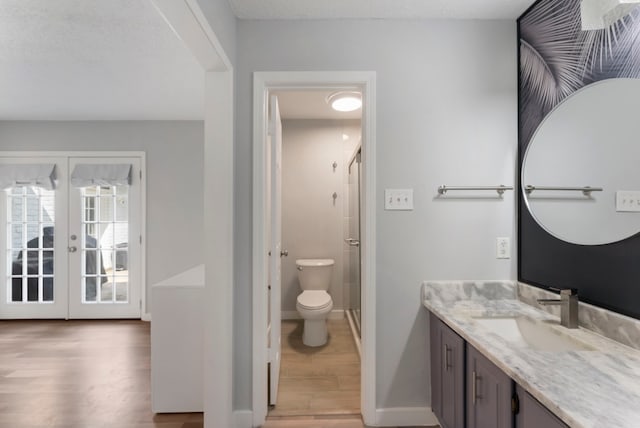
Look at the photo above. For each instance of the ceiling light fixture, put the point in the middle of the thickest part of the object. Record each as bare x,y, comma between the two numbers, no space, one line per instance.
600,14
345,101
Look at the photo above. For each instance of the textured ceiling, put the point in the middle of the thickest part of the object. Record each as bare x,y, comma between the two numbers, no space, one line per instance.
94,59
118,59
390,9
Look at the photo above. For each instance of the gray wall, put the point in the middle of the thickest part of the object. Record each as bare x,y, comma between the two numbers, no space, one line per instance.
312,222
174,153
446,114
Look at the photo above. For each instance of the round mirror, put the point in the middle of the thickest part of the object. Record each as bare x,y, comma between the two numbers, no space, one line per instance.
581,171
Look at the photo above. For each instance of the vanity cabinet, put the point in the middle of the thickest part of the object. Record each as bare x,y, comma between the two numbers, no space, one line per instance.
489,393
447,374
532,414
469,391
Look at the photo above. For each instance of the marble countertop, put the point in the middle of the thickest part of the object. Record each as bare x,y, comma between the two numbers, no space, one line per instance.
585,389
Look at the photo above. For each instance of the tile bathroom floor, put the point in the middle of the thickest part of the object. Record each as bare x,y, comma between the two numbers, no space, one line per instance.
318,381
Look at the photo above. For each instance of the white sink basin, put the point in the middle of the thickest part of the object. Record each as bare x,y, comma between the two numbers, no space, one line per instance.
528,333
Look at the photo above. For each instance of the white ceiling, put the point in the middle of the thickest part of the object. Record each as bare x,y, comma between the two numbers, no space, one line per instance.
310,105
94,59
390,9
118,59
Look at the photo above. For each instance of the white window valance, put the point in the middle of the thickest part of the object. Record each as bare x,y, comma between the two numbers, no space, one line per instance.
22,175
87,174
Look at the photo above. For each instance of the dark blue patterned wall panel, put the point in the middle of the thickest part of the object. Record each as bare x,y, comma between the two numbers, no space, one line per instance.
556,58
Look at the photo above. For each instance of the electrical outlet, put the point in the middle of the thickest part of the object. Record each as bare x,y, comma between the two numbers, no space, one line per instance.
628,201
503,248
398,199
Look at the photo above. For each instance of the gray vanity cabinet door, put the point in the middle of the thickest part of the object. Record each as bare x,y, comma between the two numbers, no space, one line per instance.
532,414
489,392
447,374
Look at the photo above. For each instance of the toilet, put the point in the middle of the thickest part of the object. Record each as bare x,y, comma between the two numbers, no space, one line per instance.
314,303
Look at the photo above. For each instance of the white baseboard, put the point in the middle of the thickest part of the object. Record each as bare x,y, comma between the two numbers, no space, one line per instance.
336,314
242,419
146,317
392,417
406,416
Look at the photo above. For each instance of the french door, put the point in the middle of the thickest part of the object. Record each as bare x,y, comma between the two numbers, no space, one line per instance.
72,243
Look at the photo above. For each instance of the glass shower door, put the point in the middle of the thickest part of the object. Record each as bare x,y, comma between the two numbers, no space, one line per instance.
353,241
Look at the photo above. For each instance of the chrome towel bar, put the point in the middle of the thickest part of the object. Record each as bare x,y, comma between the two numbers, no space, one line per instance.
500,189
585,189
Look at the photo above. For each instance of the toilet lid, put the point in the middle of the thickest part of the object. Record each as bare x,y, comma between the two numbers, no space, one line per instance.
314,299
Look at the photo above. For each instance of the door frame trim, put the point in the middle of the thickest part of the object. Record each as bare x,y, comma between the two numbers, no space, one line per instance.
144,314
263,82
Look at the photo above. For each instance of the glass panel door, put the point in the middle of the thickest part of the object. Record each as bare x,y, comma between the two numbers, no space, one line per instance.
105,244
105,248
30,244
354,280
33,270
71,252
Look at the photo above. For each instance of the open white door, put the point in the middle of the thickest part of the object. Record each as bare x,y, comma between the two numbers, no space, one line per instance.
275,134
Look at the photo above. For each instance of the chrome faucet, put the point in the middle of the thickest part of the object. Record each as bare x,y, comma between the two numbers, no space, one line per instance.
568,303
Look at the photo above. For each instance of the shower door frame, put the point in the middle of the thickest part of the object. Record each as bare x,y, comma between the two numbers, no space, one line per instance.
263,83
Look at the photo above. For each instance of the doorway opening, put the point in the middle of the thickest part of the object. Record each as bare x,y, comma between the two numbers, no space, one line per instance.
313,209
317,164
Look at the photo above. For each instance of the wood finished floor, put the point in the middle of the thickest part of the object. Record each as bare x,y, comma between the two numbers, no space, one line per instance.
79,374
318,380
96,374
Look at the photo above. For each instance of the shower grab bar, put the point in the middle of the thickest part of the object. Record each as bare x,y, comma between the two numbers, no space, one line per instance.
585,189
500,189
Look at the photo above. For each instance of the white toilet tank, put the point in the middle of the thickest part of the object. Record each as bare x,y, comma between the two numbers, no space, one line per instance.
314,274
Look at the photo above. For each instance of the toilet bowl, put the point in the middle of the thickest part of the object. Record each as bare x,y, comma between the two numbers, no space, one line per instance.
314,303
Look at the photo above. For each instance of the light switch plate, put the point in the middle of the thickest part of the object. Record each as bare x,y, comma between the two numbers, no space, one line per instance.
628,201
398,199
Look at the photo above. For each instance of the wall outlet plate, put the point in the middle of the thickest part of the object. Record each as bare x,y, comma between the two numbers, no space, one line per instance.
398,199
503,248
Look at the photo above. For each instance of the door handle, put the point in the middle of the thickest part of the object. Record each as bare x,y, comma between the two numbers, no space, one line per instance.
284,253
447,352
72,249
352,242
474,387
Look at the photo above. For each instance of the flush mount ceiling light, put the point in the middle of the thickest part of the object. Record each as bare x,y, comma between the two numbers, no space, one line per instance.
600,14
345,101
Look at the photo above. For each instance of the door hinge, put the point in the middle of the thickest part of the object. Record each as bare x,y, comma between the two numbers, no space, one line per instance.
140,174
140,239
140,304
